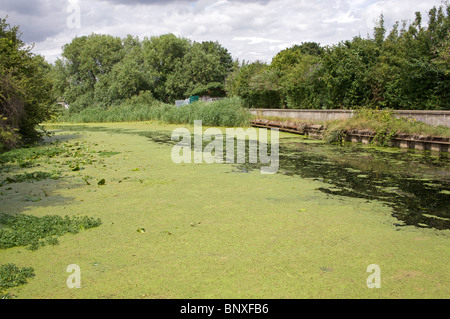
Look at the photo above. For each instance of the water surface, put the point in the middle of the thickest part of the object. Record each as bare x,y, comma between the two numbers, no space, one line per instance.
416,184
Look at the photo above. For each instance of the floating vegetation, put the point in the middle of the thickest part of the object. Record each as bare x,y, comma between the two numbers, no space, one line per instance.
34,232
23,155
400,178
31,198
12,276
108,154
31,177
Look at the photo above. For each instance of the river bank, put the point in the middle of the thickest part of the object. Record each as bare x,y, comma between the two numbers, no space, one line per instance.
338,132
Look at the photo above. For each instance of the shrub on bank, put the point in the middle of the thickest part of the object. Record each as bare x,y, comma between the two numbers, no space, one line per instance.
385,124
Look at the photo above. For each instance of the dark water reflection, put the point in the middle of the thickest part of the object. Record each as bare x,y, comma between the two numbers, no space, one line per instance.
416,184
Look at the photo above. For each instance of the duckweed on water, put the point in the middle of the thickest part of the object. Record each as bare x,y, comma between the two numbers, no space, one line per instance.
308,232
29,177
25,156
34,232
392,176
354,170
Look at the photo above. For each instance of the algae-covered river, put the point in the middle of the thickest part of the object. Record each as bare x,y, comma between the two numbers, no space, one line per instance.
197,230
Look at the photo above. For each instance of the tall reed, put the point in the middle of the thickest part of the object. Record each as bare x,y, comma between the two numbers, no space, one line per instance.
225,112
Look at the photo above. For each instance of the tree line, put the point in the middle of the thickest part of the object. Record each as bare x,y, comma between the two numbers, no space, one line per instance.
25,88
102,70
405,68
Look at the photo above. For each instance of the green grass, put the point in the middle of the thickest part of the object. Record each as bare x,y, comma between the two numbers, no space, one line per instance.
386,122
207,231
226,112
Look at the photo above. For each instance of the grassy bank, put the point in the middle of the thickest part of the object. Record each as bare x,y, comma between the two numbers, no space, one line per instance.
226,112
384,124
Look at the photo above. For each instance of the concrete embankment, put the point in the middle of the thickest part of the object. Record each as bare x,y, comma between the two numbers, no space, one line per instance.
433,118
437,144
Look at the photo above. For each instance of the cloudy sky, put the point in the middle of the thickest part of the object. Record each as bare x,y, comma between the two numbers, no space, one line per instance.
249,29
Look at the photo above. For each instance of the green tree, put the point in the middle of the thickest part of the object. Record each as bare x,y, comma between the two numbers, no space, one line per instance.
25,88
202,71
423,84
162,54
302,85
384,78
249,82
127,77
266,87
290,57
225,59
345,70
296,69
84,61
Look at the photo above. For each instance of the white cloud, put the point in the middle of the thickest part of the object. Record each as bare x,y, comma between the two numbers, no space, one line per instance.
249,29
255,40
342,18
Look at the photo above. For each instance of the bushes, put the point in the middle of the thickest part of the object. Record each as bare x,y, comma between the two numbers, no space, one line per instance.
406,68
225,112
9,138
25,89
384,124
256,85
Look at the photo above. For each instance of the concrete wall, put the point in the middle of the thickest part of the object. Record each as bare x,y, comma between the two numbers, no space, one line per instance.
434,118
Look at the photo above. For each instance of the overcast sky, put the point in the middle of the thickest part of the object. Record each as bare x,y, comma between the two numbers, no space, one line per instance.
250,29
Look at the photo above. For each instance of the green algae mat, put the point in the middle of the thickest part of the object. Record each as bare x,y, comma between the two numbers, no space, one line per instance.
335,221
